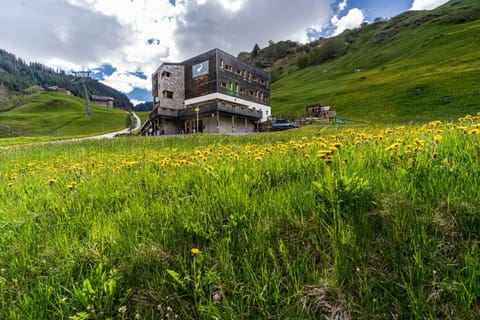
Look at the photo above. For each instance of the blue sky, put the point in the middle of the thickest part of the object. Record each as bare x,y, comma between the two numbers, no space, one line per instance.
124,41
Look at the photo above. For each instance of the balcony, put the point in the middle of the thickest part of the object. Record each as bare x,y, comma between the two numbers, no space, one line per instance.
164,113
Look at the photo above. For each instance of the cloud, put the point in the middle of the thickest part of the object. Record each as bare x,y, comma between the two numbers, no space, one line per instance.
126,82
353,19
55,31
342,5
426,4
136,102
133,37
236,26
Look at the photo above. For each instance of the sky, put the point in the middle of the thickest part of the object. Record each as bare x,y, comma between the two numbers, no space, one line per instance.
124,41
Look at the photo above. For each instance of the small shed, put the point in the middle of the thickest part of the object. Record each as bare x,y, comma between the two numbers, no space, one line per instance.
61,89
103,101
320,111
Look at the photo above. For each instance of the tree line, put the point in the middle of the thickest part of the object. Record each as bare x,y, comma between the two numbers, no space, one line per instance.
18,77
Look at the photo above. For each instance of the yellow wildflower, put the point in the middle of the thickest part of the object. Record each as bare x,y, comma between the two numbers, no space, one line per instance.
437,138
195,251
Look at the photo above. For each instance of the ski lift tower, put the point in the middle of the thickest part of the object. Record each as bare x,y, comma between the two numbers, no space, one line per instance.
83,77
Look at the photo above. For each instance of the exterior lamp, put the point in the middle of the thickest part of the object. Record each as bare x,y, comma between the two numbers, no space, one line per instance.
197,109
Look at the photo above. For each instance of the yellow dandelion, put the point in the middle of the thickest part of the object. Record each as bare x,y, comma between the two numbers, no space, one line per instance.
392,147
52,181
337,145
474,131
329,160
10,184
72,185
463,129
258,158
437,138
195,251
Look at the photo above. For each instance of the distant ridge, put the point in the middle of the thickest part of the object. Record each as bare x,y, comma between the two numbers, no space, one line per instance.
16,77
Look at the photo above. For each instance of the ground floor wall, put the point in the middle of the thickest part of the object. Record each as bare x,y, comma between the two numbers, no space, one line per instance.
212,123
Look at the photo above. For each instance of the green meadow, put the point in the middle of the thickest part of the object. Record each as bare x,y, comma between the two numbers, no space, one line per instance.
53,116
330,221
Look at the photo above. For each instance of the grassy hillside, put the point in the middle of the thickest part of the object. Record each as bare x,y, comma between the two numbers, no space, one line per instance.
417,66
56,114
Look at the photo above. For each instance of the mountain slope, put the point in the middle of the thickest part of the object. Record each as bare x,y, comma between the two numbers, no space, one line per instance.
16,76
57,114
420,65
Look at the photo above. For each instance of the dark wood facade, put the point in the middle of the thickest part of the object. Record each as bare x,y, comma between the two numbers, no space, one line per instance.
227,75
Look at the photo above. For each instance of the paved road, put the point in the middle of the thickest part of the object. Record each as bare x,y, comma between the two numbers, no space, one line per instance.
138,124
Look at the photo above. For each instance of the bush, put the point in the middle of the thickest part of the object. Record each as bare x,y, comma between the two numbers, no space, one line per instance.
331,49
304,61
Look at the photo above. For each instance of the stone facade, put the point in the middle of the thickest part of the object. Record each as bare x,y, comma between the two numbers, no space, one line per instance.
171,86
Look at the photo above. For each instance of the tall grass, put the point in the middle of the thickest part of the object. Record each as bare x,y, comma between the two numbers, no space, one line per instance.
358,222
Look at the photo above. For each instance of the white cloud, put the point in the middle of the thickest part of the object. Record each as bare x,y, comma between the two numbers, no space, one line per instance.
136,102
353,19
138,35
426,4
202,27
342,5
126,82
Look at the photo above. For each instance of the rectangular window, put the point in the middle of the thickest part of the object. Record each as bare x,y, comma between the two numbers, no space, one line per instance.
266,98
221,63
243,90
167,94
223,84
255,78
239,71
166,74
262,81
228,67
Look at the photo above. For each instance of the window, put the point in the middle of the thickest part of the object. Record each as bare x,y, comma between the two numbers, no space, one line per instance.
221,63
223,84
251,92
266,98
228,67
243,90
239,71
255,78
166,74
262,81
167,94
258,94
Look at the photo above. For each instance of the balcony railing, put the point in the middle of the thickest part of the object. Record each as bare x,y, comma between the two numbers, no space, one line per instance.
206,109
